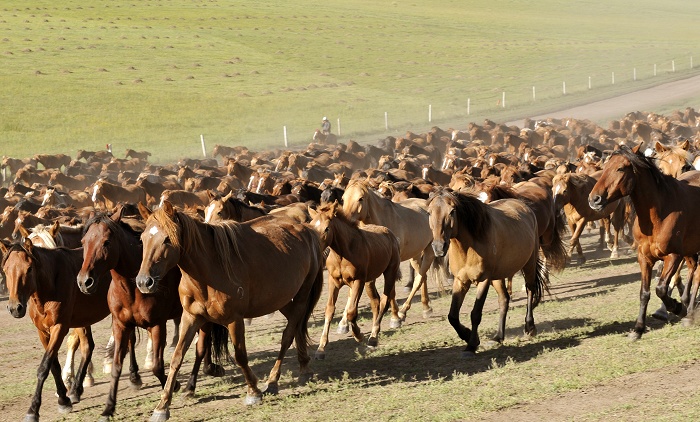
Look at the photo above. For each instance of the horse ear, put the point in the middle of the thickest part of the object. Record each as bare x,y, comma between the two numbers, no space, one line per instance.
685,145
659,147
28,245
23,231
55,228
117,216
334,208
312,212
211,194
168,208
3,248
227,196
144,211
637,148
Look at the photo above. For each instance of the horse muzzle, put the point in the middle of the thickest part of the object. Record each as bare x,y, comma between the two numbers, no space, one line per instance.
439,248
146,284
86,283
17,309
596,202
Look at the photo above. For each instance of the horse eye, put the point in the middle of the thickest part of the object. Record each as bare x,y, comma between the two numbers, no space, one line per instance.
107,243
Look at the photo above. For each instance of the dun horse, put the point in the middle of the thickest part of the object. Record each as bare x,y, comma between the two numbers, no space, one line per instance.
226,277
665,229
358,256
487,243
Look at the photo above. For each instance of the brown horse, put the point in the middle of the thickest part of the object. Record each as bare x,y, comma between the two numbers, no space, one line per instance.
665,228
487,242
323,139
112,194
358,256
571,193
226,277
47,278
228,207
111,246
141,155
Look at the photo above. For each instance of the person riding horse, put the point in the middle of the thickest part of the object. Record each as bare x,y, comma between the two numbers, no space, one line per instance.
325,126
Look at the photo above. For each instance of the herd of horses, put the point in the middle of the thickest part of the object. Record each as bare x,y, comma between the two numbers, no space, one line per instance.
192,242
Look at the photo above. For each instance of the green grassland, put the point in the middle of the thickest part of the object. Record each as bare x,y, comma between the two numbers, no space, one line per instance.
156,74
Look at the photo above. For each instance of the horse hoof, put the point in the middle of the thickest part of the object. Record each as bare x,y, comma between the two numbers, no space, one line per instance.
187,394
171,349
160,416
373,342
687,322
407,289
63,409
343,329
634,336
468,354
427,313
74,399
136,384
177,386
104,418
107,368
491,344
660,314
247,322
402,316
30,418
148,365
214,370
305,377
271,389
395,323
320,355
252,400
88,382
614,255
581,260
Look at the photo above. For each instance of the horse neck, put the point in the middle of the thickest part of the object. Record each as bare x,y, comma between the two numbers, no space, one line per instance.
130,254
53,267
650,203
379,210
343,234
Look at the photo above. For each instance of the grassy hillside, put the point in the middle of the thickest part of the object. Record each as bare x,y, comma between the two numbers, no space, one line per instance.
157,74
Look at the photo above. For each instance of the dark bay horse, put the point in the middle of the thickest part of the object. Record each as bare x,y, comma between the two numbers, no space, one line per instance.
112,247
46,277
227,276
359,254
485,243
666,225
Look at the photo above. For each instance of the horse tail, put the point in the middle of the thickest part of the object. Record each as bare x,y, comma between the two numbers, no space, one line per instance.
219,344
541,282
440,273
555,251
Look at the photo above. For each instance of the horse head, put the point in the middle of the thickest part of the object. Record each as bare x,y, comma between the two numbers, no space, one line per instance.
17,264
161,246
100,250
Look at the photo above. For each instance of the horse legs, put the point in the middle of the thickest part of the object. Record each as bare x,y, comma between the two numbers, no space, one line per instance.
503,303
671,264
121,335
378,308
109,356
333,290
644,295
420,282
148,363
459,291
158,334
87,345
692,297
49,362
691,263
188,328
482,289
176,334
343,326
356,287
575,242
202,354
237,332
72,344
134,377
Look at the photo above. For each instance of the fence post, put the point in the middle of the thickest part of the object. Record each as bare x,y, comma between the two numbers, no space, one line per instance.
503,100
469,104
386,121
430,113
691,62
589,82
654,69
634,73
338,126
563,87
533,93
613,78
285,136
204,148
673,65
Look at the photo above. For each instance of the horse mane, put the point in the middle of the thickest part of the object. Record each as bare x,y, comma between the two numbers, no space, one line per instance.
646,163
471,212
339,214
502,191
185,233
42,232
120,230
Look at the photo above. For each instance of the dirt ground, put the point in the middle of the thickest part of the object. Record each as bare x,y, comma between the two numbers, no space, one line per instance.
21,350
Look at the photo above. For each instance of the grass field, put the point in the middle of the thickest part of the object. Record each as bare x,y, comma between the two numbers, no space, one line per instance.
156,74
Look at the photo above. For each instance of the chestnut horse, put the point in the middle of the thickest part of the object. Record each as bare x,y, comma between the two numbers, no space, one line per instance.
227,276
47,278
112,194
228,207
408,220
487,243
111,246
359,254
665,228
329,139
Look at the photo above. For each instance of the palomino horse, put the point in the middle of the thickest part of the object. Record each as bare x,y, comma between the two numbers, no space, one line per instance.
408,220
227,276
571,193
665,228
329,139
47,278
49,237
359,254
111,246
487,242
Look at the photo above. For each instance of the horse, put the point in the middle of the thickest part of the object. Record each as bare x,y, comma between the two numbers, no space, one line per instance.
408,220
228,207
47,278
49,237
323,139
226,277
142,155
111,246
486,243
112,194
571,193
359,254
665,227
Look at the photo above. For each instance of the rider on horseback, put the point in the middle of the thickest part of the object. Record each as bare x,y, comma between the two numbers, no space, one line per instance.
325,126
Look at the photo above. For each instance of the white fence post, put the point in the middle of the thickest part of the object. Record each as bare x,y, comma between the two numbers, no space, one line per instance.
589,82
673,65
503,100
284,128
533,93
386,120
634,74
613,78
691,62
430,113
469,105
204,148
563,87
338,126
